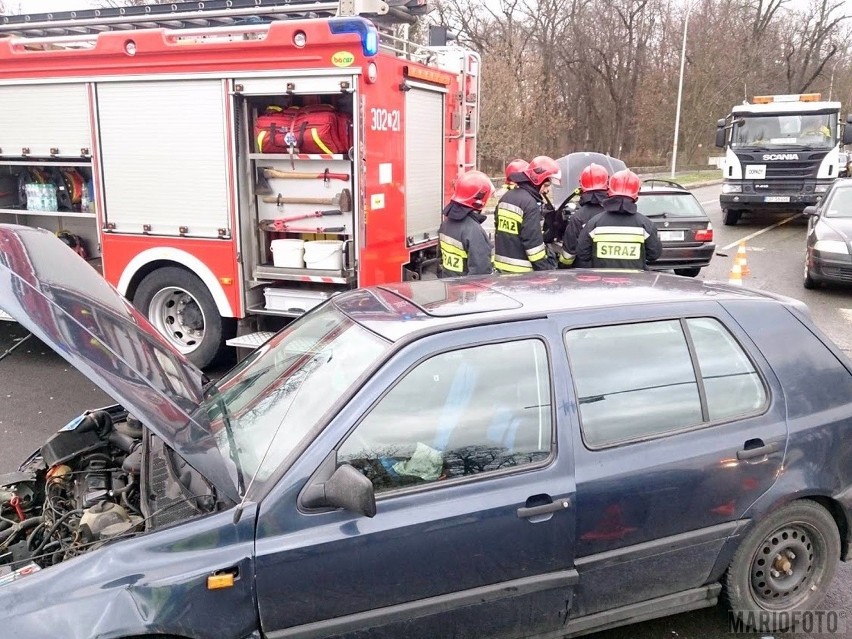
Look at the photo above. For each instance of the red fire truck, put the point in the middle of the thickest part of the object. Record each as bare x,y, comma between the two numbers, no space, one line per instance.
229,164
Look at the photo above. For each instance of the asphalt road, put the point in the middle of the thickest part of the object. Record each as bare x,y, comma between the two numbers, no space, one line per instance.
40,393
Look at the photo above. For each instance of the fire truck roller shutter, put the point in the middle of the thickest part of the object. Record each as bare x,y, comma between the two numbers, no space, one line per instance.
183,300
424,162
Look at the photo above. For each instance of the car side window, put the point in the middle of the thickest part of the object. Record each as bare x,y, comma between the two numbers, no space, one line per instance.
731,383
639,380
633,380
459,413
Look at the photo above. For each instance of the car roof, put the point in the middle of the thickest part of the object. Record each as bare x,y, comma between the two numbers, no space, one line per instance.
396,311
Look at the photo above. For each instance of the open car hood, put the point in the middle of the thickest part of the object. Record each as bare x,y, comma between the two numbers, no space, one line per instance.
572,165
63,301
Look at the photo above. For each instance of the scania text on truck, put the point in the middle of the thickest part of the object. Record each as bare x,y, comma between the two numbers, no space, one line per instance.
782,152
227,164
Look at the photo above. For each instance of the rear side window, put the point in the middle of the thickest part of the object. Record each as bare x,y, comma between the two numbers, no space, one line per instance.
636,381
731,382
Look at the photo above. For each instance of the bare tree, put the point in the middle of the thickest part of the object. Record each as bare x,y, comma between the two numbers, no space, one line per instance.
812,41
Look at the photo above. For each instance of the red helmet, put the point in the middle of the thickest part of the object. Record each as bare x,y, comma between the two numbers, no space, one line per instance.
594,178
515,166
473,189
543,168
625,183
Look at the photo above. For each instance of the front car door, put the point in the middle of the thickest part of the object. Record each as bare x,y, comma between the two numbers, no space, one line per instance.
681,428
473,534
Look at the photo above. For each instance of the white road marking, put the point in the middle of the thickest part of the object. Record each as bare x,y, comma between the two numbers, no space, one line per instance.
846,313
709,202
760,232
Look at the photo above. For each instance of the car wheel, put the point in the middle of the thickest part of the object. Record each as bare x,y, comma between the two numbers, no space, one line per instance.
731,217
688,272
179,306
786,563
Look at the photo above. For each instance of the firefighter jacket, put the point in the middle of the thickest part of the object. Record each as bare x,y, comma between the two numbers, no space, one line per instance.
591,203
518,241
620,237
462,242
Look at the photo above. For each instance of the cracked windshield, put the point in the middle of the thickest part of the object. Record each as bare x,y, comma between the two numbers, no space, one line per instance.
254,411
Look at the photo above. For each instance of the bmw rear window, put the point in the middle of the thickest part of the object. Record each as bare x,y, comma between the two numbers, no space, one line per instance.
672,204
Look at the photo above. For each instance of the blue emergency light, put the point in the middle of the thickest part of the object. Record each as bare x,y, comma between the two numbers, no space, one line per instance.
364,28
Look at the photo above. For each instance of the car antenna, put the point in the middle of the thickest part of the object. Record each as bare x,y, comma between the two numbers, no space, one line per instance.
241,506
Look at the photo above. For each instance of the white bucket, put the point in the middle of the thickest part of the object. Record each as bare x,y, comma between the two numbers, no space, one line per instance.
288,253
324,254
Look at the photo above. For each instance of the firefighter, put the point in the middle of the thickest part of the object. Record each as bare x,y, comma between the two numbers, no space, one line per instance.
620,237
463,244
515,166
518,241
594,181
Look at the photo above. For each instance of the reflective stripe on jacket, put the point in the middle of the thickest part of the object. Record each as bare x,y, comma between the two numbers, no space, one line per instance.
518,242
462,243
619,238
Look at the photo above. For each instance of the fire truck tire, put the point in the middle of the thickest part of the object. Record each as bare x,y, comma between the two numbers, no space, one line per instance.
179,306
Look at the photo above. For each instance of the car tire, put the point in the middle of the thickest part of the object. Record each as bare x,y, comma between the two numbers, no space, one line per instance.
179,305
688,272
731,217
799,543
809,282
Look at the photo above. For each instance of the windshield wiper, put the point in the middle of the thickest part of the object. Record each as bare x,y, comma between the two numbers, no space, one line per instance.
232,443
663,214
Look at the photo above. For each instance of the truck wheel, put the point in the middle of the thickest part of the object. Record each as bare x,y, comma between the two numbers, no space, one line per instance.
785,564
731,217
179,306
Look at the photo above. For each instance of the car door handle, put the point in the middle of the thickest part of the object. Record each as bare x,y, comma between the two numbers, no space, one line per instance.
559,504
751,453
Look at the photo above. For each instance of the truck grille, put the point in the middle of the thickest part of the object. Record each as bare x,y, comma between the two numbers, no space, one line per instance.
806,167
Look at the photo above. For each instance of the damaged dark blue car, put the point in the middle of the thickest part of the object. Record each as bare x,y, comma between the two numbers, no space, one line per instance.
542,455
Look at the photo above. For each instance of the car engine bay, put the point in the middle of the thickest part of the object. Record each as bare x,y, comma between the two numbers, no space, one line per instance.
103,477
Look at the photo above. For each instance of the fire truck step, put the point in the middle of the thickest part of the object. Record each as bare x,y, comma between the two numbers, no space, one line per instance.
251,340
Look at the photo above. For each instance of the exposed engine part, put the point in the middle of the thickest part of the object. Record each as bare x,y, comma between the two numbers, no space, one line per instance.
85,488
106,520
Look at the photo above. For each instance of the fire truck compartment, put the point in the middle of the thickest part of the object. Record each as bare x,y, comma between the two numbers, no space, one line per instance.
62,126
424,162
165,157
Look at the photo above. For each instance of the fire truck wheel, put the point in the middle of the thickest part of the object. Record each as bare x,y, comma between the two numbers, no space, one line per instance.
178,305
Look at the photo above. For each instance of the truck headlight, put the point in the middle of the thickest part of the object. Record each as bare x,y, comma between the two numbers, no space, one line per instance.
821,188
732,188
831,246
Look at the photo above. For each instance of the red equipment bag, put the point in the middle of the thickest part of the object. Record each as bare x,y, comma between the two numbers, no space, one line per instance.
317,128
271,128
320,128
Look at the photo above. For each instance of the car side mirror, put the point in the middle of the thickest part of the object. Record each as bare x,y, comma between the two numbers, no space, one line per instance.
849,118
340,486
720,135
811,211
847,134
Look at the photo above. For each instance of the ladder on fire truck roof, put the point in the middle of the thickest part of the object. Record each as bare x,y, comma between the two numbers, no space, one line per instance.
207,13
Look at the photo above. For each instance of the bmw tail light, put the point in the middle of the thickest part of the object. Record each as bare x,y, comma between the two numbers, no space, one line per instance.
704,235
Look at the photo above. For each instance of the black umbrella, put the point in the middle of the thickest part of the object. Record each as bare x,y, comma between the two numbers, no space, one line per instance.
572,165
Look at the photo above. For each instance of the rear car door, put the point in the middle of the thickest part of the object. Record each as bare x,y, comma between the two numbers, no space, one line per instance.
682,428
473,534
